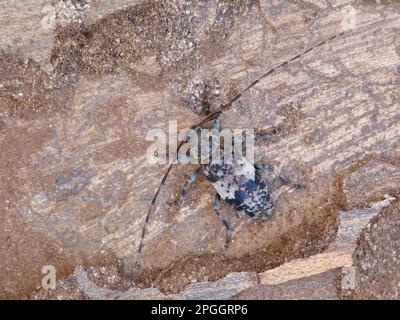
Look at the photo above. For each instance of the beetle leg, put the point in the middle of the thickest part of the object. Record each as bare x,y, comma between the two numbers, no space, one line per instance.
217,207
267,168
190,180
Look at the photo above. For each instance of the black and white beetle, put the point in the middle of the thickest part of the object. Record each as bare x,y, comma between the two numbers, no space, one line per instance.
239,183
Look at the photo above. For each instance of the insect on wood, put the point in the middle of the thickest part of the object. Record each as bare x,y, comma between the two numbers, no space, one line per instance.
239,183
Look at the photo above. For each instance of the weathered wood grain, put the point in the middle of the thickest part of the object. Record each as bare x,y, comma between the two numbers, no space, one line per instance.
77,175
313,278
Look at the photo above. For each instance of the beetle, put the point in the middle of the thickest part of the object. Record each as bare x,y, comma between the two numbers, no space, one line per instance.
239,183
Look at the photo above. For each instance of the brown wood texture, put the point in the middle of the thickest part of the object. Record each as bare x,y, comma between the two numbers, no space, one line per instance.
81,83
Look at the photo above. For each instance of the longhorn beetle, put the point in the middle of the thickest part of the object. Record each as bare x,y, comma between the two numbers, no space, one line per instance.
239,183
